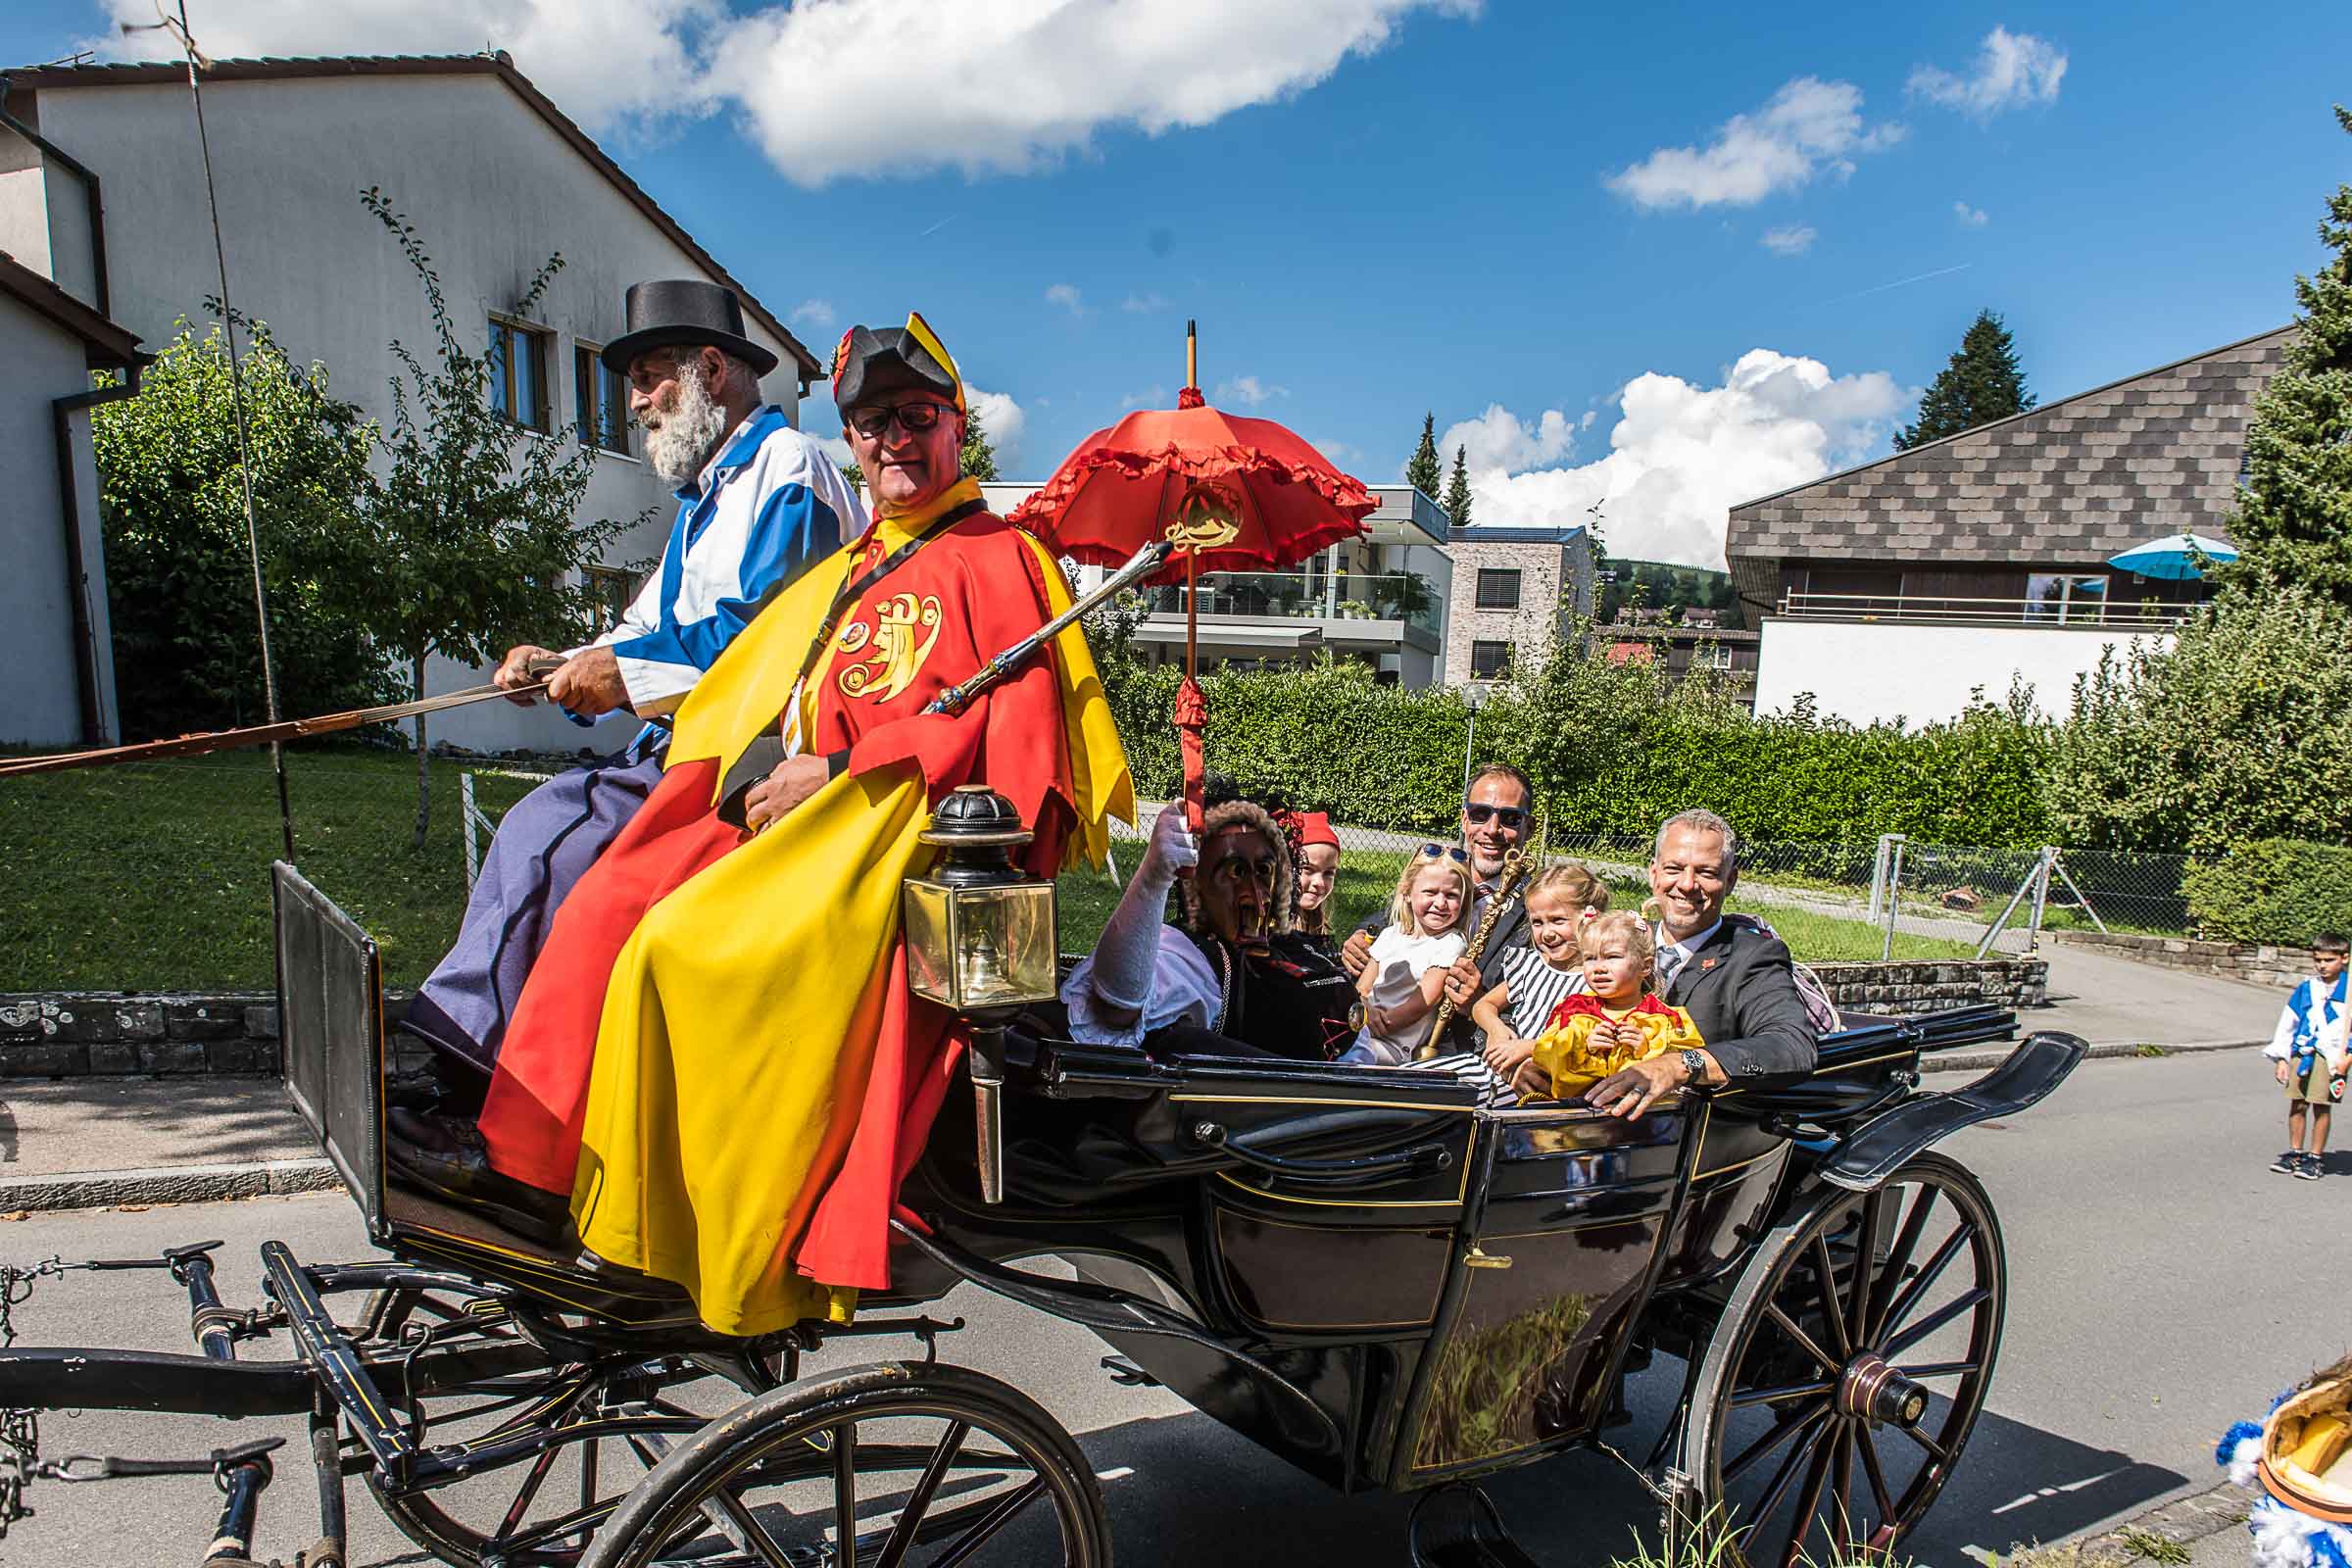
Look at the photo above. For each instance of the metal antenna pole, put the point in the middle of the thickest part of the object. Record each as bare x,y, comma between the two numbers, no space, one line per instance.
236,403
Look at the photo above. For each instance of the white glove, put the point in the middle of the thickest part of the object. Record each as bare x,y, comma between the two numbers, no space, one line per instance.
1171,850
1128,951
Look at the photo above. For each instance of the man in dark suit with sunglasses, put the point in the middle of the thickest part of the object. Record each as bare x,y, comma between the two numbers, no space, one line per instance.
1495,819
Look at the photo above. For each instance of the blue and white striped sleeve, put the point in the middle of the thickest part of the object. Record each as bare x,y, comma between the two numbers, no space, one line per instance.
788,508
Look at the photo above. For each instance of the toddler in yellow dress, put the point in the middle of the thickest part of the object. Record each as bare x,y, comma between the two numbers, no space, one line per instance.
1616,1022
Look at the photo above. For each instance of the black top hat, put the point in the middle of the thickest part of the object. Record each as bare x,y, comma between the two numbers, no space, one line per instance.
684,309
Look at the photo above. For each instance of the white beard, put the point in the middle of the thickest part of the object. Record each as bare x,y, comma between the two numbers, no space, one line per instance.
679,442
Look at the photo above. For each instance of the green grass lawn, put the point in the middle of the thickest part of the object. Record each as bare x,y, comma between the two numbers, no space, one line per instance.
156,876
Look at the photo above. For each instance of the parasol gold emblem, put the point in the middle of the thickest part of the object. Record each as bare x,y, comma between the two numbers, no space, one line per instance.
903,631
1209,516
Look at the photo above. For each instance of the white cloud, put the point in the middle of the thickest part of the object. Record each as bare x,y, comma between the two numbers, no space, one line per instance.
1003,419
602,61
2013,70
1249,389
1682,455
1145,304
1969,217
1154,396
1793,239
1007,87
835,448
1067,296
816,313
1809,125
1499,439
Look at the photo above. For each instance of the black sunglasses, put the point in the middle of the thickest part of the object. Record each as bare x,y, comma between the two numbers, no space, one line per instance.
1430,852
1512,818
912,416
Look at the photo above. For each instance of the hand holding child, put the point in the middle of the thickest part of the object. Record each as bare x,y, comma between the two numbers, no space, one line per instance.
1507,1053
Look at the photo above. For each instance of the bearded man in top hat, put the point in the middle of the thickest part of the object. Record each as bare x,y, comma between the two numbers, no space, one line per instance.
718,1070
759,503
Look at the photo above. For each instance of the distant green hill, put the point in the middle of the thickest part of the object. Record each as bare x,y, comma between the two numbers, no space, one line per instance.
1655,585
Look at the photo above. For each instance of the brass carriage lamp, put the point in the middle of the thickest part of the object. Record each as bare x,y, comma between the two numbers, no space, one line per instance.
982,937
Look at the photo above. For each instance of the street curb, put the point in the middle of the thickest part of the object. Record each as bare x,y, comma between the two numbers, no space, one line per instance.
2187,1520
1985,1060
165,1184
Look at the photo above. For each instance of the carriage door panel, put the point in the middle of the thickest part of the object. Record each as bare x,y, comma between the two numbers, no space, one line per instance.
1575,1205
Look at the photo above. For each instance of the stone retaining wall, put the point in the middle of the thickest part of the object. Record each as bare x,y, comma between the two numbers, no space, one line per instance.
2256,964
1939,986
78,1033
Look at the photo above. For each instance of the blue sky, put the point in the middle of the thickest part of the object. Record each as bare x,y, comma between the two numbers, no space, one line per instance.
1377,208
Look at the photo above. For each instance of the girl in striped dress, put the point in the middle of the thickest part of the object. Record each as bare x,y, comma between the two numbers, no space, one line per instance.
1535,979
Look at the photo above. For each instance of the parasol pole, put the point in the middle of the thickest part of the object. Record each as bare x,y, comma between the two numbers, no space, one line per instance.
1192,555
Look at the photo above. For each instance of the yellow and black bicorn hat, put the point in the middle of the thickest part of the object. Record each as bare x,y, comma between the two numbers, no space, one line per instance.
872,362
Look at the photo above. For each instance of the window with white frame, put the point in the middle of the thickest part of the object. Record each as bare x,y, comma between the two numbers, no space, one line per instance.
1489,660
602,397
1497,588
611,589
517,361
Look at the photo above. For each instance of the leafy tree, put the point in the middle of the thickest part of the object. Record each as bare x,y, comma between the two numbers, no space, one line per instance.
1426,472
1457,489
2241,731
856,477
979,459
1980,384
2294,517
474,543
180,585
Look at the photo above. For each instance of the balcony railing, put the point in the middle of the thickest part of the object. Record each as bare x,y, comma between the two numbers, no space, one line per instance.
1404,595
2087,611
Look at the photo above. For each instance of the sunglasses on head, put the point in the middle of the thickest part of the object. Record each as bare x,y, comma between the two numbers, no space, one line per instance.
1512,818
1432,851
912,416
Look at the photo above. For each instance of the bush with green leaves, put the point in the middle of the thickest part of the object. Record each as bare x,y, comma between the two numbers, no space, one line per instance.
2242,730
2284,891
179,576
1612,747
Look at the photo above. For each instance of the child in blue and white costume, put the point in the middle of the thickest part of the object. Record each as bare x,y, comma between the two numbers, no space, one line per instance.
2309,1049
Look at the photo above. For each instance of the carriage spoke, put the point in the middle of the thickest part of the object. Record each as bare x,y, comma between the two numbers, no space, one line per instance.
1864,1285
522,1497
751,1534
845,1493
1782,1393
918,1501
1787,1470
1792,1422
1936,1320
1898,1259
994,1520
1840,1526
1801,1524
1941,1369
1804,1340
1878,1489
1833,1311
1943,1455
1932,1270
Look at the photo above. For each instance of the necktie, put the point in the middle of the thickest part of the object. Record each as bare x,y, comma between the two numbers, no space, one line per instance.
1670,965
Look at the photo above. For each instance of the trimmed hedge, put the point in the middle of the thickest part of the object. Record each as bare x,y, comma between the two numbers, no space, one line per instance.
1612,749
2280,891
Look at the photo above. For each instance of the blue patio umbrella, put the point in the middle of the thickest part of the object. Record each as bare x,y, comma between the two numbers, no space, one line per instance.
2173,556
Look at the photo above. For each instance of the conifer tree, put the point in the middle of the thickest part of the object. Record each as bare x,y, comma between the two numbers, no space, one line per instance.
1457,489
1980,384
2294,519
1427,472
979,459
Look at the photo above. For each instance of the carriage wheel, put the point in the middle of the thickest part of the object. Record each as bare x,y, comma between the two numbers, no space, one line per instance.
884,1466
1848,1368
536,1512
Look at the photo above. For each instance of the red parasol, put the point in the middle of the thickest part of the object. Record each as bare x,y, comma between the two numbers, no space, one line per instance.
1232,494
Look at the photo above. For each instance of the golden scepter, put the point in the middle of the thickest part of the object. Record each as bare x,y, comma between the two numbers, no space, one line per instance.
1515,863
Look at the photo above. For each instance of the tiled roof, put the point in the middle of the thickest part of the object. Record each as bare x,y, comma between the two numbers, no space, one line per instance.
500,65
2074,481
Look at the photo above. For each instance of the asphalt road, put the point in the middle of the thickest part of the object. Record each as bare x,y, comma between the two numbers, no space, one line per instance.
2164,1283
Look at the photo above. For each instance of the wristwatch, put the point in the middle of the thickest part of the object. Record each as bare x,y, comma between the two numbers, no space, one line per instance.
1694,1067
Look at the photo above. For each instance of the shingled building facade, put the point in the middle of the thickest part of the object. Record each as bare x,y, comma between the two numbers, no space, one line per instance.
1893,589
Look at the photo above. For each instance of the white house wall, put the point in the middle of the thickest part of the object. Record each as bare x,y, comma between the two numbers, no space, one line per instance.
1922,674
40,700
492,190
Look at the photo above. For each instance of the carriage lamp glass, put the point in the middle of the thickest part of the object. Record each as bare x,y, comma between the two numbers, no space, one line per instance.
980,934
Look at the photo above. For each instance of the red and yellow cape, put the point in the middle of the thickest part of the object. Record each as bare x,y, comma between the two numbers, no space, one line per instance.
716,1054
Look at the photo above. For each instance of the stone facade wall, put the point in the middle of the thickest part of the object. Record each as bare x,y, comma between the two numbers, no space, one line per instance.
2261,965
1923,986
1545,573
72,1033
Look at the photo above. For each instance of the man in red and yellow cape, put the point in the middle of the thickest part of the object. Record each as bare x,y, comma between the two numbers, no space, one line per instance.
716,1055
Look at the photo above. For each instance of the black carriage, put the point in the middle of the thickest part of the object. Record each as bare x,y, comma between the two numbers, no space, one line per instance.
1383,1275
